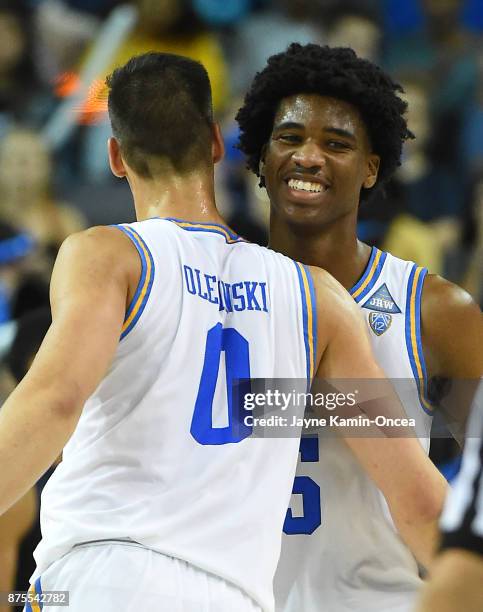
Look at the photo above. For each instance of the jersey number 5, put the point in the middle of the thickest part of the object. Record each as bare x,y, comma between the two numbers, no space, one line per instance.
237,360
310,492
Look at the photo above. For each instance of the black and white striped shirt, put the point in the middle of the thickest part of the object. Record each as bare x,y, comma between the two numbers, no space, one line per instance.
462,518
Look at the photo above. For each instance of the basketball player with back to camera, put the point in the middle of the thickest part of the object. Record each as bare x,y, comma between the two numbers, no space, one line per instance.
323,128
164,498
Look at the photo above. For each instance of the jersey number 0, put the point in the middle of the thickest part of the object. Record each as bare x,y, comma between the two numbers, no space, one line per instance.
237,359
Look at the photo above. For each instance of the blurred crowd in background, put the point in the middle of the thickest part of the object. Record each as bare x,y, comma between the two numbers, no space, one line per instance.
54,176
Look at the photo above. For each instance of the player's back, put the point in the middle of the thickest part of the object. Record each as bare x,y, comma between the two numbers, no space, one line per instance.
162,454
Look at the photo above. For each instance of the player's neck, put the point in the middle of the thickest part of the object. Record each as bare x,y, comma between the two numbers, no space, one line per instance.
190,198
334,248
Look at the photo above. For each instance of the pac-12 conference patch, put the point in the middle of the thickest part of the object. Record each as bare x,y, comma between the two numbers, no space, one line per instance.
380,322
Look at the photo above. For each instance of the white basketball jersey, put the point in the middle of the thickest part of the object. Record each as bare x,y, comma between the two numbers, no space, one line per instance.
162,454
340,551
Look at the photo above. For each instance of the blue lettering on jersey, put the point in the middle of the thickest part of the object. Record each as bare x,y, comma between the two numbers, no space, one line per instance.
220,296
203,295
211,298
244,295
190,280
264,296
226,295
251,298
236,296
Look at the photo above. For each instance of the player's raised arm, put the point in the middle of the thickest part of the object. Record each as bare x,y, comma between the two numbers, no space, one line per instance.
414,489
89,290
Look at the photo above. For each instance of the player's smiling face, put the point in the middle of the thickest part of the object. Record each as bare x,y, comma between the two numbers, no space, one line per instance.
317,160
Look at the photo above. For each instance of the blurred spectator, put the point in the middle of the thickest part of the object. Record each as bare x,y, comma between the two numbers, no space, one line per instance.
19,527
100,8
30,331
169,26
270,31
355,24
173,27
408,16
19,272
64,32
21,87
432,43
32,292
26,198
472,130
243,204
216,13
427,180
473,277
443,52
431,196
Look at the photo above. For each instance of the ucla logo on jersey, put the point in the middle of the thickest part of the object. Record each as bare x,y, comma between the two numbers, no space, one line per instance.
380,322
382,301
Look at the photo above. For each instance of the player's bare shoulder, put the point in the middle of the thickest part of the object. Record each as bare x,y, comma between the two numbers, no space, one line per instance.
439,292
100,240
452,329
103,252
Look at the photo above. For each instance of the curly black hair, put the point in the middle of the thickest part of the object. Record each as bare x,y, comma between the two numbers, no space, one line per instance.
336,72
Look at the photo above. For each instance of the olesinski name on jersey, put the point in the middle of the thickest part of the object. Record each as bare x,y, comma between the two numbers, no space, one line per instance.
243,295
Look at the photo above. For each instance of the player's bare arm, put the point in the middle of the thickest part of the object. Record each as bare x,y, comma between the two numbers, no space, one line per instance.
414,492
14,525
93,278
452,330
455,583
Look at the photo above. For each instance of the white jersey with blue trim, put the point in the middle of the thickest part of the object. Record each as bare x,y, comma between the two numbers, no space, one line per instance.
340,550
163,454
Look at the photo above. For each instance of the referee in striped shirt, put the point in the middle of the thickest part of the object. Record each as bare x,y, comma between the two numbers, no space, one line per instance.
456,580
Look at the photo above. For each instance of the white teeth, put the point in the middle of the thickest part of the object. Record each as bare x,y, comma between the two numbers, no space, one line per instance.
306,186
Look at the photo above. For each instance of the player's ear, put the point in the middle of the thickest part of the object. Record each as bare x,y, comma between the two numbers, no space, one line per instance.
217,145
115,158
373,164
